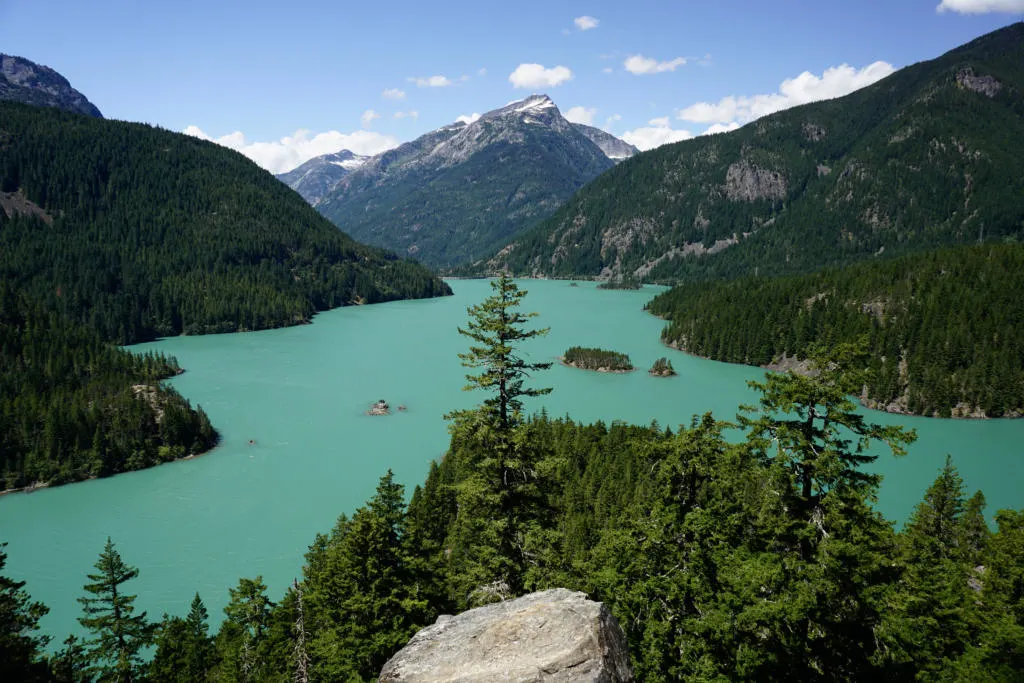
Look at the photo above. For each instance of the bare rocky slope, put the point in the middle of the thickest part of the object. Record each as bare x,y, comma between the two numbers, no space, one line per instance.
25,81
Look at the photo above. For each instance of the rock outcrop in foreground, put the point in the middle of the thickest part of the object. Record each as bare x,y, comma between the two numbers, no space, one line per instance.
553,636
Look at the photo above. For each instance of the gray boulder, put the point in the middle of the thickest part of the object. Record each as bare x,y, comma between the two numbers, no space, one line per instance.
553,636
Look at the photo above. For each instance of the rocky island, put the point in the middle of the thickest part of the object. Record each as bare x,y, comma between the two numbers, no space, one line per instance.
599,360
662,368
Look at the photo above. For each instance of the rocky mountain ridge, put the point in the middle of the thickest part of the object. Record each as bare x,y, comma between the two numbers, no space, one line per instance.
457,192
22,80
318,176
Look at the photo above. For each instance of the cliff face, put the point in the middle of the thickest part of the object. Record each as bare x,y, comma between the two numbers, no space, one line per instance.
553,636
24,81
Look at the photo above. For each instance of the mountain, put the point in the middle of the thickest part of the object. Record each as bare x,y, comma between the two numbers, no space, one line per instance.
139,232
318,176
460,191
942,327
31,83
931,155
613,148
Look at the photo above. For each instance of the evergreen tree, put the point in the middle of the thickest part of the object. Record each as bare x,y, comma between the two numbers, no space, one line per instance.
497,328
21,647
933,615
184,648
822,553
118,635
70,664
363,604
242,635
997,653
497,471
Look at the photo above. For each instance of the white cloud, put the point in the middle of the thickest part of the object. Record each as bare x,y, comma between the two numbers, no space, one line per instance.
296,149
611,119
411,114
431,81
981,6
368,117
536,76
583,115
607,70
834,82
468,118
585,23
481,72
656,134
721,128
393,94
638,64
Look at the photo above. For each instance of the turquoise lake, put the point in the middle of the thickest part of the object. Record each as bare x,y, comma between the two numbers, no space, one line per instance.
300,395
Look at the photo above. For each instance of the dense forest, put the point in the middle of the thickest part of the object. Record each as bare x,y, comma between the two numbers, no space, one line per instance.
597,359
932,155
757,558
942,328
73,406
139,233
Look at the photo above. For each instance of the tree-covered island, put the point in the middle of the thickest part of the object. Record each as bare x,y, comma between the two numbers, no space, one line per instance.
599,360
662,368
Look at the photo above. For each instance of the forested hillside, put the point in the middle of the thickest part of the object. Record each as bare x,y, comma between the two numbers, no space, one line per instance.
138,233
73,407
942,328
930,156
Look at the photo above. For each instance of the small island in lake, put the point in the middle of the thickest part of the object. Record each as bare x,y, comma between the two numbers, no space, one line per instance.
381,407
662,368
599,360
625,282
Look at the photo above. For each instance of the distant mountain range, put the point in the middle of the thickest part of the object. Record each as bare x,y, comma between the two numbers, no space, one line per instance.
24,81
460,191
932,155
320,175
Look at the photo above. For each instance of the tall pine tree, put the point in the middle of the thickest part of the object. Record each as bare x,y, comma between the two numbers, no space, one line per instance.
118,635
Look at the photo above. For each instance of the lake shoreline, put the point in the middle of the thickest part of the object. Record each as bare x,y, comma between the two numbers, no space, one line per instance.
799,367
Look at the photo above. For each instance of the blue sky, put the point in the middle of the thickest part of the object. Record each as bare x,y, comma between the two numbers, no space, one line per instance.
282,81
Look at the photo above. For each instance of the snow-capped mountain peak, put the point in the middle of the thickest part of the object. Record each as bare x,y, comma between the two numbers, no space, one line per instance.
318,176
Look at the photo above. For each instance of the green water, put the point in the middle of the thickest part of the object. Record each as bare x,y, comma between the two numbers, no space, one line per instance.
300,394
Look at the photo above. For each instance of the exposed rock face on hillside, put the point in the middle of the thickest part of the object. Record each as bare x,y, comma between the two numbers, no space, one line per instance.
318,176
932,155
24,81
613,148
458,192
553,636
